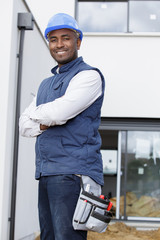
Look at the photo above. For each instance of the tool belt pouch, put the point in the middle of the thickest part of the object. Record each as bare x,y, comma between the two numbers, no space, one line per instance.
90,213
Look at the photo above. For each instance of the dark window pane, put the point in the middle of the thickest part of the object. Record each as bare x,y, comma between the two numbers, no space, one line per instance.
144,16
102,16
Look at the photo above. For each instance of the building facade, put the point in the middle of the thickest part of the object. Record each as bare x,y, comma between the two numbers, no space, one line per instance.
122,39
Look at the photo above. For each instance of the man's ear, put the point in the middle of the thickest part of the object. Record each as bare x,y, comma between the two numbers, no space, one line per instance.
78,43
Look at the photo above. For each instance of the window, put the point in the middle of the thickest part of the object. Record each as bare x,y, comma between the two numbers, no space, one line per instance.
119,16
140,174
102,16
144,16
131,176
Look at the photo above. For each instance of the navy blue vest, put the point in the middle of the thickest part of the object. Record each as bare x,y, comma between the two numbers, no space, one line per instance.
72,148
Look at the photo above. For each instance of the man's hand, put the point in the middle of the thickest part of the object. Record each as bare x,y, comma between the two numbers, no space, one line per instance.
43,127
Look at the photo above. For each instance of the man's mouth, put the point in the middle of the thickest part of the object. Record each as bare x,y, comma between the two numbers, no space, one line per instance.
61,52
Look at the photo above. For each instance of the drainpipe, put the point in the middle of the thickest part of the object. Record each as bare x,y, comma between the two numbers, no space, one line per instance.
25,22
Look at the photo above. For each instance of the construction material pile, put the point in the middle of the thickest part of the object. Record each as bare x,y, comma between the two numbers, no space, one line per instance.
145,206
120,231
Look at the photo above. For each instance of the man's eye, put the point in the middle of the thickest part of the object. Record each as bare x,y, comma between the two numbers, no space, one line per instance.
52,40
66,38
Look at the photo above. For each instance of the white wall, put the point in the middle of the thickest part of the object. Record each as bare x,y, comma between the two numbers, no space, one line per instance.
5,121
36,65
130,65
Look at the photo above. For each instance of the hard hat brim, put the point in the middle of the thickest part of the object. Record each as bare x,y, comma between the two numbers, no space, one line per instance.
49,29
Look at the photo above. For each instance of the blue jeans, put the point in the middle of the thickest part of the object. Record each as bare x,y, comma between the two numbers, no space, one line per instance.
58,196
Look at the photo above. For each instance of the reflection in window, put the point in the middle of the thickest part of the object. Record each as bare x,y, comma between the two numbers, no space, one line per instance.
119,16
141,159
109,161
102,16
144,16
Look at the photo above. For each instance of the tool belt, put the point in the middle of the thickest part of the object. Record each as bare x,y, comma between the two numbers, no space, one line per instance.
91,211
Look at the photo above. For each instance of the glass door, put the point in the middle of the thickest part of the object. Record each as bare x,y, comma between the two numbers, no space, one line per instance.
140,175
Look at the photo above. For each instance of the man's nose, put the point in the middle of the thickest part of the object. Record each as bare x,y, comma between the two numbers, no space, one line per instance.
60,43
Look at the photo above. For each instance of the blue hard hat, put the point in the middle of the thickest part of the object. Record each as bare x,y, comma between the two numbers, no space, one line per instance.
62,20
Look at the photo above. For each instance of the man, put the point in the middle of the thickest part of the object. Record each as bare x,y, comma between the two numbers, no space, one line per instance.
65,116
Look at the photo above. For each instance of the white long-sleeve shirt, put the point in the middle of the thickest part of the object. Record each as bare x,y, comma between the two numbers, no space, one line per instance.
83,89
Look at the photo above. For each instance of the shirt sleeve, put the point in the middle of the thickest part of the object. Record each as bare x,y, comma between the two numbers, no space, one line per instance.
82,91
28,127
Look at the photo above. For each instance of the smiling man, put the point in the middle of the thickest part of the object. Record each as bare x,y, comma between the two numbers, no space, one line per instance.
63,45
65,117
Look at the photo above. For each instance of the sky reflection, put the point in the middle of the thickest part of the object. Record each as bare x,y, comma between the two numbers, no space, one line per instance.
144,16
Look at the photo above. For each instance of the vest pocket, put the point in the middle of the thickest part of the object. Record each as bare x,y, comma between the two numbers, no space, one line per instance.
51,147
75,151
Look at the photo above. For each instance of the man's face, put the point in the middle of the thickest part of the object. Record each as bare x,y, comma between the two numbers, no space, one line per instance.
64,45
